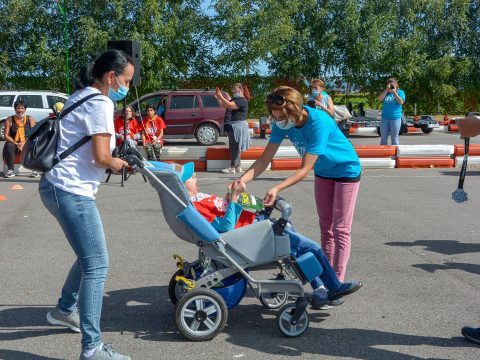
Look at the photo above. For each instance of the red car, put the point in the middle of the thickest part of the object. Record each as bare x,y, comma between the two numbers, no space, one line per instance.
187,113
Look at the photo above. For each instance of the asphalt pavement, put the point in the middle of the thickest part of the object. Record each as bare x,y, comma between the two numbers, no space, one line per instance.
415,250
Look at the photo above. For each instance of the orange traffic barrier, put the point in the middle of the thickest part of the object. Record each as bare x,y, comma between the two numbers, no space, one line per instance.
3,198
351,130
453,128
222,153
425,162
412,129
474,150
199,165
250,125
375,151
286,164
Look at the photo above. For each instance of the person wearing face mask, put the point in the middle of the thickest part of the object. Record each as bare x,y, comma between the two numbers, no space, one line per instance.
325,149
236,127
391,120
152,135
16,126
319,98
68,192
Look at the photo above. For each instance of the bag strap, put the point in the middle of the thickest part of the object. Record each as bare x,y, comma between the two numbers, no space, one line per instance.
83,140
77,104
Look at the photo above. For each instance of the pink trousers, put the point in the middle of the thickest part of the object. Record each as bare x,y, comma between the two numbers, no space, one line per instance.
335,206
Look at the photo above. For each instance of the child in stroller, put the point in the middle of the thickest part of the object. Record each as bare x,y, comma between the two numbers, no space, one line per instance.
226,215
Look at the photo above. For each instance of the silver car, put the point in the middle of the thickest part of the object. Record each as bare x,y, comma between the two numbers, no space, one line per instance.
39,104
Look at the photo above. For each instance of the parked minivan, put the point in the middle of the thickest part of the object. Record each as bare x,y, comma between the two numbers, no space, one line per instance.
187,113
39,104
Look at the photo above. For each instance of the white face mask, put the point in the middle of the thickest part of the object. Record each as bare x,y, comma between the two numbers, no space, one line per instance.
285,124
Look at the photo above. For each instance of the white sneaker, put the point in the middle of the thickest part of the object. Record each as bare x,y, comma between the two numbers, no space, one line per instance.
238,170
228,170
34,174
10,173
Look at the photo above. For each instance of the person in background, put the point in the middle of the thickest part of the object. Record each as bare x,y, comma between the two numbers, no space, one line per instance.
132,128
237,127
470,127
152,134
323,147
319,98
68,192
162,107
391,119
16,126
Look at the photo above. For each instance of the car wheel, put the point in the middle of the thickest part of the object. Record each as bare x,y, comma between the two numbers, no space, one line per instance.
403,129
378,131
207,134
2,131
426,130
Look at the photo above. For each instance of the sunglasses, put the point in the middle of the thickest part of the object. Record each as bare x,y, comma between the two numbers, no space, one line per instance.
276,99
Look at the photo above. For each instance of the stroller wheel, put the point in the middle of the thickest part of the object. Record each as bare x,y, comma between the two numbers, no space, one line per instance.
176,289
284,321
273,300
201,314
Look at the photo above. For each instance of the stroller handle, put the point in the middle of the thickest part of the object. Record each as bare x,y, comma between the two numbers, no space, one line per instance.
284,207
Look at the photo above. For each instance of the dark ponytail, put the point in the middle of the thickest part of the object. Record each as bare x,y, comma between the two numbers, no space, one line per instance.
110,60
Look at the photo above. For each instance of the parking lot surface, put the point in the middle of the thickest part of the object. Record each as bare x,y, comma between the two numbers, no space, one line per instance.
416,251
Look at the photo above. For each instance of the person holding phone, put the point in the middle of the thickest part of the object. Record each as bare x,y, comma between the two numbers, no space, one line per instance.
393,99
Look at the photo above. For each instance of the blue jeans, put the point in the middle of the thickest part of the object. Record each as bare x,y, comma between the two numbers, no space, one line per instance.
389,127
300,245
79,218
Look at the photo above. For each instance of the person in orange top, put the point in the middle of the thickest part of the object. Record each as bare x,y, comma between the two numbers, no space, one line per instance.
133,128
152,136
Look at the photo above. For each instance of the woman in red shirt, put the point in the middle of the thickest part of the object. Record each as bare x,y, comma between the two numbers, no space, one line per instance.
133,128
152,127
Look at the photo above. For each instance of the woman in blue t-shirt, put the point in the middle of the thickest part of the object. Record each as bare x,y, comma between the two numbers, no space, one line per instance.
324,148
393,99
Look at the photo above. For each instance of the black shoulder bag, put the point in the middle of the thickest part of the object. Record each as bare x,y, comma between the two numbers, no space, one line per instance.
40,150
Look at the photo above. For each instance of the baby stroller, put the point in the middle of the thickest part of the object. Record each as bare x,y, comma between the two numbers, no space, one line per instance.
204,290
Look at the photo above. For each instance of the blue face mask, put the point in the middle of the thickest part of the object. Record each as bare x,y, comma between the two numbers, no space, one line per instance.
285,124
236,95
315,93
119,94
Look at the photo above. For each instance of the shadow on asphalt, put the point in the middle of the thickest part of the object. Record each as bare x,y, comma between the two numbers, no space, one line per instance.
17,355
470,268
457,172
446,247
148,314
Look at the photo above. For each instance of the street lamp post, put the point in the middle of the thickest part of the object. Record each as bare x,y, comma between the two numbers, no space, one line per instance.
65,36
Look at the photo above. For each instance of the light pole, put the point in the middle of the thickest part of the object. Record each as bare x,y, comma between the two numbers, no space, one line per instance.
65,36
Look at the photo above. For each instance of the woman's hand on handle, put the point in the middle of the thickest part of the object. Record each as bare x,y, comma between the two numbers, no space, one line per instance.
270,197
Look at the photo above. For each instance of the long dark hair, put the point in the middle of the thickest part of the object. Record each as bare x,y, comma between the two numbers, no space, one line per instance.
110,60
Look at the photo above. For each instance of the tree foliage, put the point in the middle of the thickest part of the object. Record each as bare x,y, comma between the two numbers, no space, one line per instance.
431,46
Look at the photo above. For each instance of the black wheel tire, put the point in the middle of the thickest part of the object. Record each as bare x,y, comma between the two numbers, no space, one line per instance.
273,300
172,287
403,129
378,131
207,134
212,299
2,131
282,321
426,130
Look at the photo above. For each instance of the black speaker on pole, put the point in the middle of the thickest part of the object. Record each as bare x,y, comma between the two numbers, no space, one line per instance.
131,48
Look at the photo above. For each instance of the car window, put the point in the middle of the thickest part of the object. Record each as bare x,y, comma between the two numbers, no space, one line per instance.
209,101
153,101
6,100
183,102
51,99
32,101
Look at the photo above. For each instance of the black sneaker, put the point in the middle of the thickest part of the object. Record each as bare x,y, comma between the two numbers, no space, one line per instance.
472,334
345,289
